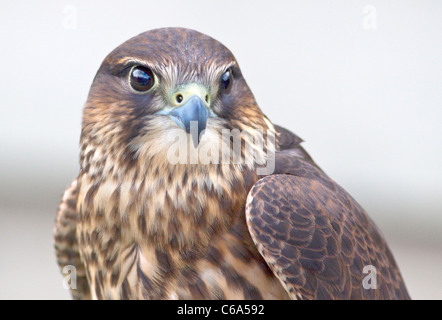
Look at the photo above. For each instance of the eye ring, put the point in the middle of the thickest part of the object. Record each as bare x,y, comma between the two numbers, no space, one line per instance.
141,79
227,80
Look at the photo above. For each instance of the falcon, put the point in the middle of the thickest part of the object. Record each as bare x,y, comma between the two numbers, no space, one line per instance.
187,191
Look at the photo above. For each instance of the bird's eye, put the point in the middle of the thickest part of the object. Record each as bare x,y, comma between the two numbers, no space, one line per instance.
226,80
141,78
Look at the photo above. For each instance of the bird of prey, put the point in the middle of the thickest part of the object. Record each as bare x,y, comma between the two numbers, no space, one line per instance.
142,221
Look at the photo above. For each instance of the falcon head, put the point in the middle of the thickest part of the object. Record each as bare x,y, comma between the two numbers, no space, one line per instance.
165,83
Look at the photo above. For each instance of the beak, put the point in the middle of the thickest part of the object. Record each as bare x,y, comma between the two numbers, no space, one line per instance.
192,117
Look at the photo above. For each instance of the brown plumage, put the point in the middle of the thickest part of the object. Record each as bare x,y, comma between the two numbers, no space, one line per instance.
137,226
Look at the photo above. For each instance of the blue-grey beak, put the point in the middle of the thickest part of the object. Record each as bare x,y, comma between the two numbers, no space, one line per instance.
192,117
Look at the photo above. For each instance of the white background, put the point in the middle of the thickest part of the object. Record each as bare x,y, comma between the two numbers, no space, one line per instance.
368,103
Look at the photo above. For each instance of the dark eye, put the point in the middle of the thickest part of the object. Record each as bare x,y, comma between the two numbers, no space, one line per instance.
226,80
141,78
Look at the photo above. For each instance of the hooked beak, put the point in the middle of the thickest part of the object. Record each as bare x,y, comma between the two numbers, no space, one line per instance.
192,117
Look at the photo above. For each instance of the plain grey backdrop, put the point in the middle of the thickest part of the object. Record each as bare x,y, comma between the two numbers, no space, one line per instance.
359,81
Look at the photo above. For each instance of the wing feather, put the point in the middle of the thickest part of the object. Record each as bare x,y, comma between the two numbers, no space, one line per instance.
315,237
66,243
